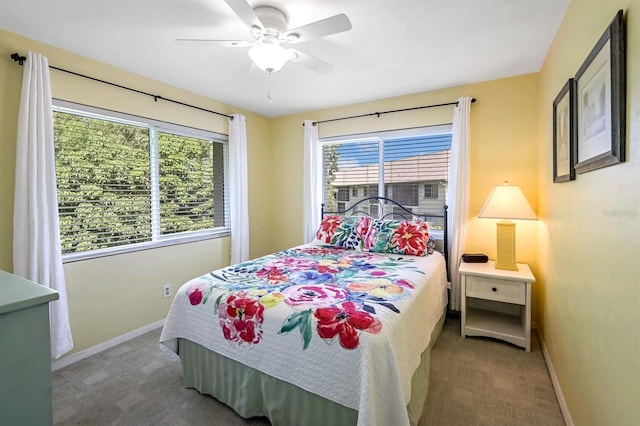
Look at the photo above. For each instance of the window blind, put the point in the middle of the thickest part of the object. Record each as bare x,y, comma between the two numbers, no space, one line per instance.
410,169
102,170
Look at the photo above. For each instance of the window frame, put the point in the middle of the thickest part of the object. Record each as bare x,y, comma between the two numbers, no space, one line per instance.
155,127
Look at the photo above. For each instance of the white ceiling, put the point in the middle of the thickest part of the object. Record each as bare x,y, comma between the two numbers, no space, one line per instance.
395,47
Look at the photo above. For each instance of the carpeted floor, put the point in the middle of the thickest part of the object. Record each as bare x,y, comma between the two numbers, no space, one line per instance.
474,381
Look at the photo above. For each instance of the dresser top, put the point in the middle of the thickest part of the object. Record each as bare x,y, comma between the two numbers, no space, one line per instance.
18,293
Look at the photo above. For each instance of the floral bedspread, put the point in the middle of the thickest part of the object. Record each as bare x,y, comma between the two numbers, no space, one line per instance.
344,324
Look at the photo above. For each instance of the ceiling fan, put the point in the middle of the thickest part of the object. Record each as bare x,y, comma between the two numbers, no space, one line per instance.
270,48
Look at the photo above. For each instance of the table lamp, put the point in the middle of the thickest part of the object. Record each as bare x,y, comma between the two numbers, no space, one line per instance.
506,202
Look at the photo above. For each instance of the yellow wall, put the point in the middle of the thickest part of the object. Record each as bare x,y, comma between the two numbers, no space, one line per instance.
504,140
589,245
113,295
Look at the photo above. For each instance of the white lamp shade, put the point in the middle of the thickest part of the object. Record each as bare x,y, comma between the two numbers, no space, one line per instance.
269,57
507,202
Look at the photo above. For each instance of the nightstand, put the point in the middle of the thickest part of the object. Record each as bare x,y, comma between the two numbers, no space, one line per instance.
496,302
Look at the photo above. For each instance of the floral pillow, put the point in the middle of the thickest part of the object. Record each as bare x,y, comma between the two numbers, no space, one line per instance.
399,237
348,232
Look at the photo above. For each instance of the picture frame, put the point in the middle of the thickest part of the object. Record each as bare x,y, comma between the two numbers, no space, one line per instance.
564,133
600,91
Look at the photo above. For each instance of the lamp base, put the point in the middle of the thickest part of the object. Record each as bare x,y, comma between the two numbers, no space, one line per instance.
506,246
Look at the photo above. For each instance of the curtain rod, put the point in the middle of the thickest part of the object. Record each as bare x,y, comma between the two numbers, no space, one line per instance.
20,60
387,112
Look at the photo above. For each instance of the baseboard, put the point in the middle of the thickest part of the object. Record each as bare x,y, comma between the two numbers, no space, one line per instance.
79,356
554,378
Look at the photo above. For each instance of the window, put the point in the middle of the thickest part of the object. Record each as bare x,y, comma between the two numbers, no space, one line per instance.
186,167
431,190
354,191
395,163
127,183
343,194
406,193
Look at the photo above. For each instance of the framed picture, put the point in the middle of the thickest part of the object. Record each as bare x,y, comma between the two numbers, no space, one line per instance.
600,86
564,133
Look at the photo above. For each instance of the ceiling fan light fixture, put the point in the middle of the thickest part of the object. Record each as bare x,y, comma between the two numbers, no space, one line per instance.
269,57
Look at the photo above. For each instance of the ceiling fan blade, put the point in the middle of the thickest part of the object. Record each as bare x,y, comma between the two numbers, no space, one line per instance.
333,25
208,42
311,62
245,13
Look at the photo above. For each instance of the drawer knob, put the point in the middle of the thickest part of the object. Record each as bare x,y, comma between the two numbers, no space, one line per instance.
494,289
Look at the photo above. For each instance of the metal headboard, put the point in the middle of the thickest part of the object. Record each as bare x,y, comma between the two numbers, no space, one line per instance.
396,210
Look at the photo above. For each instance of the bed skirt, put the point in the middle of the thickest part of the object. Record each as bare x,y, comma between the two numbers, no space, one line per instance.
252,393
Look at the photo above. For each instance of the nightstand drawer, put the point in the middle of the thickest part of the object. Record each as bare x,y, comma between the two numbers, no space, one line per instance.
495,289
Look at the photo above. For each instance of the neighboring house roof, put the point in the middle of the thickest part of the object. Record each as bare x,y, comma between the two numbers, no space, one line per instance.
410,169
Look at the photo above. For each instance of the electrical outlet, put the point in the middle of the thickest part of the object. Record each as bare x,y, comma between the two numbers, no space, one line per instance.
166,290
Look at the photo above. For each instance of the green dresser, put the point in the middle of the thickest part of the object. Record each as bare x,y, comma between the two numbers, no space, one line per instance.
25,352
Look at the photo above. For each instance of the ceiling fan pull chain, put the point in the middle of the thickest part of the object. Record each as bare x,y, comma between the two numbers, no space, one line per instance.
269,99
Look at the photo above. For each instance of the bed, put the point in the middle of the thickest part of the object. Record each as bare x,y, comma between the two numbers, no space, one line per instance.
337,331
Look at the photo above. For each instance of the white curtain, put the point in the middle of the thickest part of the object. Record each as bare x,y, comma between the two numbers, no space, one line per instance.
238,194
37,254
312,190
458,194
